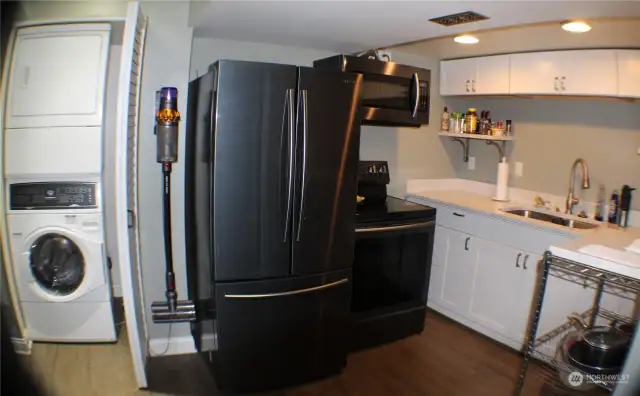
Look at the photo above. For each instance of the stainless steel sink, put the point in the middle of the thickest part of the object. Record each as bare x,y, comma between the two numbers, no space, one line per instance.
550,218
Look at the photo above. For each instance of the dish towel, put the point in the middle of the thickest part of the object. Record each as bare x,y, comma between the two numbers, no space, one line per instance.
614,255
634,247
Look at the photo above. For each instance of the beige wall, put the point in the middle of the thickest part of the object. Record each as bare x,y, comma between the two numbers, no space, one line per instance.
550,133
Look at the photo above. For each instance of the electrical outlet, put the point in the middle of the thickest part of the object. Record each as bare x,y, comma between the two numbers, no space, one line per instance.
519,169
472,163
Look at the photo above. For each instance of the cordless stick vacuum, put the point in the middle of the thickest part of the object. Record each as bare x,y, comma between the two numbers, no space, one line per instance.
167,119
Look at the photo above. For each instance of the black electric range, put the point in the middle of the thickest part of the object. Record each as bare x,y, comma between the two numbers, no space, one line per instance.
392,261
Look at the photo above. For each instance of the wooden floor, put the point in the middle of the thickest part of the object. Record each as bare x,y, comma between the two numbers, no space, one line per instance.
445,360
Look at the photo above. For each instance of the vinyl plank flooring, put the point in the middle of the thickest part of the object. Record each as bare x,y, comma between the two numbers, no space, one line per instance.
447,359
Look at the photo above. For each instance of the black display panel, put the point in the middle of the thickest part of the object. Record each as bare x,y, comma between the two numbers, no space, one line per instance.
61,195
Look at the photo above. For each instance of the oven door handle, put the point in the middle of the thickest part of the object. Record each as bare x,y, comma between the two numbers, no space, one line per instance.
416,90
398,227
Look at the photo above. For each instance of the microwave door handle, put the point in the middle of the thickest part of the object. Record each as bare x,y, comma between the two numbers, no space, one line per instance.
416,88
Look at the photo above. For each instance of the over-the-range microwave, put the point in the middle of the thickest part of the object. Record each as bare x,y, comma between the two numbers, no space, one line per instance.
392,94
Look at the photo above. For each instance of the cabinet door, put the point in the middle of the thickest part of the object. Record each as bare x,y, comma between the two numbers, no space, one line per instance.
457,276
525,298
629,73
496,273
535,73
493,75
58,76
457,76
592,72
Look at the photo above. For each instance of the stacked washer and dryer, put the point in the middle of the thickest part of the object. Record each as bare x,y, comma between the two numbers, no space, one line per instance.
53,178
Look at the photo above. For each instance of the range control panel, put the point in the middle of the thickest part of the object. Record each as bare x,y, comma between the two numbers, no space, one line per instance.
57,195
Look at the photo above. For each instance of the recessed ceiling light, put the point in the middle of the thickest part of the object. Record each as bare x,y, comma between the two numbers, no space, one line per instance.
466,39
576,27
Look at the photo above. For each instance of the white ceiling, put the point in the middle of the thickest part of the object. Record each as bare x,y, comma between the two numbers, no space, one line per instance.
355,25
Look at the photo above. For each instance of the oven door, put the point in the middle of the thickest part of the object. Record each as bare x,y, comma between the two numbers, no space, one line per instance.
391,268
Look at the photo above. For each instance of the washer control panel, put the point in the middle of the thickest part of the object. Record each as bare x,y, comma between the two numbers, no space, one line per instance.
55,195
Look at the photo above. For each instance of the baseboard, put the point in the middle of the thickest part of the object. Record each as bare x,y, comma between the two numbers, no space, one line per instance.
22,346
171,346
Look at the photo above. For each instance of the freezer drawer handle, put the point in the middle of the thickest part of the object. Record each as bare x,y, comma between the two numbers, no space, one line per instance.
287,293
399,227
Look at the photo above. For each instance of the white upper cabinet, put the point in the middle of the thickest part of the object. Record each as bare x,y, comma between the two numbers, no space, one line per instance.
493,75
580,73
629,73
458,77
475,76
58,76
566,73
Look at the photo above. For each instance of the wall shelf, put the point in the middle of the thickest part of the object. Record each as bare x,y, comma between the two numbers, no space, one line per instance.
465,140
474,136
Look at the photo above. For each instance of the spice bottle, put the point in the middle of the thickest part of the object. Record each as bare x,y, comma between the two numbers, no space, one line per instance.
445,120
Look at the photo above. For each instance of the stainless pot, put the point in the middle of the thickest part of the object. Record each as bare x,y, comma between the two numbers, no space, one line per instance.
601,349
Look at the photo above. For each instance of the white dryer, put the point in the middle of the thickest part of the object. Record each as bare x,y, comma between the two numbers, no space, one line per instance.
58,249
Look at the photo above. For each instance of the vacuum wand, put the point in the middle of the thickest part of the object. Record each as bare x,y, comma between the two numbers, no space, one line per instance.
167,119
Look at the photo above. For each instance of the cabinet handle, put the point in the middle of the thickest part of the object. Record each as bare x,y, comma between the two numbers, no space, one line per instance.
466,243
27,74
555,84
518,260
524,264
466,85
473,85
458,214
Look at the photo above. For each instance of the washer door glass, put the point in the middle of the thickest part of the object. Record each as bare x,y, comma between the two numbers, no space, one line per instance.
57,264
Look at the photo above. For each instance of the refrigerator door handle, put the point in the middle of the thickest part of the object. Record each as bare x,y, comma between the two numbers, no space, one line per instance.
416,87
305,139
289,99
287,293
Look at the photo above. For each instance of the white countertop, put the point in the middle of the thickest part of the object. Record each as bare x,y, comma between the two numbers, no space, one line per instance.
476,197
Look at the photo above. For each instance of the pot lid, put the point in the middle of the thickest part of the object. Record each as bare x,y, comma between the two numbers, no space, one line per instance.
606,338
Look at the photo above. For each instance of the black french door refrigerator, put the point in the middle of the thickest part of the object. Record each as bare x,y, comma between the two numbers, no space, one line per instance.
271,183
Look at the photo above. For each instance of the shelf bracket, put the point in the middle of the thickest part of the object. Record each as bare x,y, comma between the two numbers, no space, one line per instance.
501,147
465,147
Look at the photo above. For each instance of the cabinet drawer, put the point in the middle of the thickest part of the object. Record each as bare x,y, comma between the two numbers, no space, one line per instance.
505,230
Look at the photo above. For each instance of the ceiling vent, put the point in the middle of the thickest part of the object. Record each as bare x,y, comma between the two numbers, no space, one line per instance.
458,19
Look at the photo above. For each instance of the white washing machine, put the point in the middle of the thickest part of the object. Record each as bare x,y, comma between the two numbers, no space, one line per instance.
58,249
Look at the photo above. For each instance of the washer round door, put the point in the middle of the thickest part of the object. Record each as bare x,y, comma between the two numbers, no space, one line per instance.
57,264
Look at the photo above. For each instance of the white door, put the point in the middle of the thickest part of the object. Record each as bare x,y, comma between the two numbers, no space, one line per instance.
526,296
496,272
493,75
589,72
127,188
535,73
58,76
457,277
629,73
457,77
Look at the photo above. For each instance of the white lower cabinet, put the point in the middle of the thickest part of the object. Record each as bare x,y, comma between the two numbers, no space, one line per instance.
495,286
457,276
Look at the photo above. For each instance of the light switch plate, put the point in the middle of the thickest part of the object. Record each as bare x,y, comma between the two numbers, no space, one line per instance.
519,169
472,163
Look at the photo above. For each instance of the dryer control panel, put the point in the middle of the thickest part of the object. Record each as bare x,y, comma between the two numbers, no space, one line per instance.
55,195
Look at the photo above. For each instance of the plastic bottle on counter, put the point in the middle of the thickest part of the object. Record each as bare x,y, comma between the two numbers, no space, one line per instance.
599,215
445,120
614,207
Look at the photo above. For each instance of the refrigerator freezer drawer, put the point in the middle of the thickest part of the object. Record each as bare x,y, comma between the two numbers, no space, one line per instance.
277,333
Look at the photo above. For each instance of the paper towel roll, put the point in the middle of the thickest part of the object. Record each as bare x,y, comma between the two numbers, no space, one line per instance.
502,188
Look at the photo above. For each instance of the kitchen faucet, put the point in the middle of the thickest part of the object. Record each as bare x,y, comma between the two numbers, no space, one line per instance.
571,200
